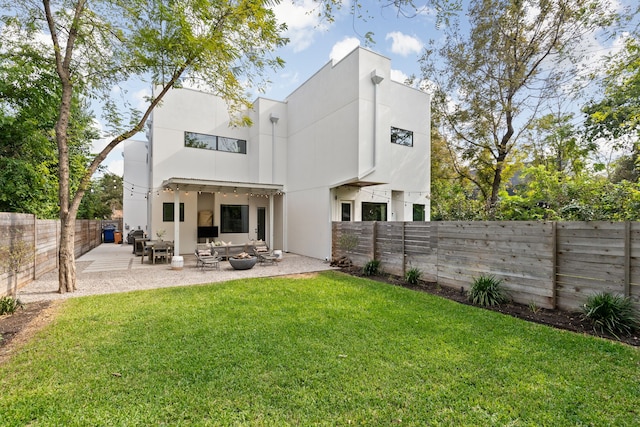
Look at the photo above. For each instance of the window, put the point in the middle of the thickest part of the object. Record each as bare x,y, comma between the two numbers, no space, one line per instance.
232,145
402,137
234,218
374,211
346,211
200,140
418,212
213,142
168,212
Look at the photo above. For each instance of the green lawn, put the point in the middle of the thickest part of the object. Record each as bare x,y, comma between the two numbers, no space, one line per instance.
330,350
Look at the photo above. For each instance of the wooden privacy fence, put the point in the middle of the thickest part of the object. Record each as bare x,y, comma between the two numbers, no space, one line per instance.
40,237
550,264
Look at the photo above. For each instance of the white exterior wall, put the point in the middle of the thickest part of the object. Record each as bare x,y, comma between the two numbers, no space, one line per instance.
135,186
333,122
333,130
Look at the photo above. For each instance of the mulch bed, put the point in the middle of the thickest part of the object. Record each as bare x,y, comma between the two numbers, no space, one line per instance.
560,319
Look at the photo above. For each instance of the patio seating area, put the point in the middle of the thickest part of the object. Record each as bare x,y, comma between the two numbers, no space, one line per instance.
113,268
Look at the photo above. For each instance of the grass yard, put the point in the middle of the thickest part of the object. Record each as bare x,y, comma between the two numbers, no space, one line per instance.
326,350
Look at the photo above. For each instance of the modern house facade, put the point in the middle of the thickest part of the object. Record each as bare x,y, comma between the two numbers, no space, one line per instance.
349,144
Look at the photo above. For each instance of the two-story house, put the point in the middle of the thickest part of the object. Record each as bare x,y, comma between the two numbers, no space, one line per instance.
349,144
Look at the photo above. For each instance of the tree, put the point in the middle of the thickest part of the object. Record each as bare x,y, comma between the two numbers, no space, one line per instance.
28,156
616,116
99,44
492,81
103,198
220,45
555,143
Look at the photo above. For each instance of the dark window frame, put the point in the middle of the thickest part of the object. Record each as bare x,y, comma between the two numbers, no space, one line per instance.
168,212
234,219
419,212
374,211
401,137
216,143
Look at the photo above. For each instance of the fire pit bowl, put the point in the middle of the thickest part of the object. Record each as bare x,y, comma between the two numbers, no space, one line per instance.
242,263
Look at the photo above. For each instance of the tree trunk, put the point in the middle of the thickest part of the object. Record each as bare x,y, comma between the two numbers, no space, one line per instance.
66,256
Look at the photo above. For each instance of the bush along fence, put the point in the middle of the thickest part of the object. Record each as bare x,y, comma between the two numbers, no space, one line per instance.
29,247
549,264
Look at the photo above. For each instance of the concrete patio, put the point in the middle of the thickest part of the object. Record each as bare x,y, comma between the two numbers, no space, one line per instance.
112,268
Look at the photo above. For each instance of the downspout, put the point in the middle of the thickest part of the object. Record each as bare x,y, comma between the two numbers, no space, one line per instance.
376,78
274,119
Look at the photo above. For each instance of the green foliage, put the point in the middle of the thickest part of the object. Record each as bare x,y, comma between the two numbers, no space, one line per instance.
496,71
413,275
613,314
371,268
487,291
9,305
103,198
348,242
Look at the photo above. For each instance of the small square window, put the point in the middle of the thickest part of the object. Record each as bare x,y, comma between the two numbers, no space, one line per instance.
402,137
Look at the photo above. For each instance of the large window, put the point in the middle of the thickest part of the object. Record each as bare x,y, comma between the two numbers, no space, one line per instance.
402,137
418,212
374,211
168,214
213,142
234,218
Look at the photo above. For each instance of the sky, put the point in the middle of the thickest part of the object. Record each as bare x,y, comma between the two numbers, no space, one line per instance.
314,42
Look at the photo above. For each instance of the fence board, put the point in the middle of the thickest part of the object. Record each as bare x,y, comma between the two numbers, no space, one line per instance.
43,237
551,264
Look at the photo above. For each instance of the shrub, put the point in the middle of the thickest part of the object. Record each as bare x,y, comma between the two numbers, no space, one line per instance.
371,268
9,305
487,291
611,313
413,275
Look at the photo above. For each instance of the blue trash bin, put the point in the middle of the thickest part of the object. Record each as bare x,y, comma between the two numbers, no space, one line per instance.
108,235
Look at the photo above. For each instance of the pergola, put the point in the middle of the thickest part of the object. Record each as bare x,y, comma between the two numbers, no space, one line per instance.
178,185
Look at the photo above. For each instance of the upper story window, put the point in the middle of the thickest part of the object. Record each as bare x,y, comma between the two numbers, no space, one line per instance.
213,142
402,137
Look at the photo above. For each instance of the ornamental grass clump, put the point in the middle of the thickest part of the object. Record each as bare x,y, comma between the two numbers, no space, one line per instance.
371,268
9,305
413,275
613,314
487,291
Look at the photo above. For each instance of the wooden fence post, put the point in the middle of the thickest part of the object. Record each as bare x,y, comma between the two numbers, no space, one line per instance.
374,238
627,259
554,266
404,254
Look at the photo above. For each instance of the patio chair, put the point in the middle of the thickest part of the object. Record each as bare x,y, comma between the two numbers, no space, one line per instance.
204,259
264,255
161,250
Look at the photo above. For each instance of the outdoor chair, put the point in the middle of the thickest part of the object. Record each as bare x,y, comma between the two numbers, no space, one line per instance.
161,250
264,255
204,259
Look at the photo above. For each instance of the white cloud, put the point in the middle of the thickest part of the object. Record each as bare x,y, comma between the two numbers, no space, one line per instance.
403,44
116,167
141,99
398,76
343,47
303,22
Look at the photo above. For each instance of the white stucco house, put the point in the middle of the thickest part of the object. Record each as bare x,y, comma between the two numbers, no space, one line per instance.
349,144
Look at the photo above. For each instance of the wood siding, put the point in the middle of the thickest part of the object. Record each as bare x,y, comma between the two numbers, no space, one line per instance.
553,265
43,236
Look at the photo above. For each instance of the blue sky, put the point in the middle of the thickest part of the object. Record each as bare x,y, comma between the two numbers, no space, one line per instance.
315,41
